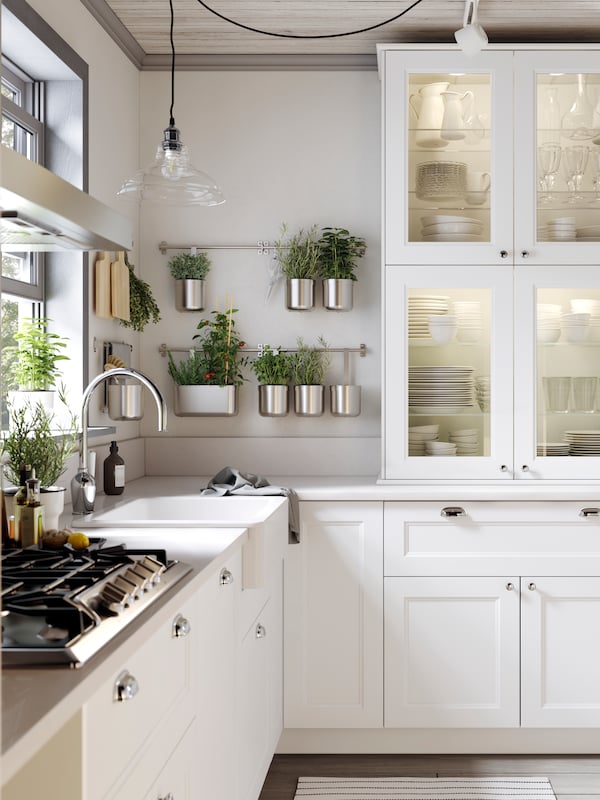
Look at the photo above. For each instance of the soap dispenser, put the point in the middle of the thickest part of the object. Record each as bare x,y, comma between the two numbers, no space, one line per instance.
114,471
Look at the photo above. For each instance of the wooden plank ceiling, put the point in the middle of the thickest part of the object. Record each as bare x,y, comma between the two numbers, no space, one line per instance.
199,32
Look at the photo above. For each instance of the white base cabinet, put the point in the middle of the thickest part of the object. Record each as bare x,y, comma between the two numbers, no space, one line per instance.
333,617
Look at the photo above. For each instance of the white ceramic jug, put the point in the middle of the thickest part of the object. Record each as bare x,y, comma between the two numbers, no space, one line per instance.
429,109
456,109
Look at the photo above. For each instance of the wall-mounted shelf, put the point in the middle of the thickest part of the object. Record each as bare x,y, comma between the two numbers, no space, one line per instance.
163,349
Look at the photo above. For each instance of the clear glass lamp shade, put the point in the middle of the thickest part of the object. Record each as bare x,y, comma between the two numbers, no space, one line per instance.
172,180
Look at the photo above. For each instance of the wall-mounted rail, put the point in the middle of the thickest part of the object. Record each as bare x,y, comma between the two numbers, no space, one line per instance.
163,349
263,248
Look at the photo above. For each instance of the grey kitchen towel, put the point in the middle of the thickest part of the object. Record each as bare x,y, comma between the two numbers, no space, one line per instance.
232,481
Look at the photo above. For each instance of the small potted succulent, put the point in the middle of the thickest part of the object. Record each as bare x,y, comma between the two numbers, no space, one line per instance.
338,253
273,370
206,382
298,258
189,271
309,365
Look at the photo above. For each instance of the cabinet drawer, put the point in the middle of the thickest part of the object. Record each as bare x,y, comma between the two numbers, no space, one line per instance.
159,674
491,538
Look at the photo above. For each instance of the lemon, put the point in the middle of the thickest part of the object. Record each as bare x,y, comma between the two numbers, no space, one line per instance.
78,540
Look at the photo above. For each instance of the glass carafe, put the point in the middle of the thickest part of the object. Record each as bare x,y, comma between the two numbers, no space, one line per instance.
578,122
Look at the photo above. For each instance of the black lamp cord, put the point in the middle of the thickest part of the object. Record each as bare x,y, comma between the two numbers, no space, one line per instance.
171,117
302,36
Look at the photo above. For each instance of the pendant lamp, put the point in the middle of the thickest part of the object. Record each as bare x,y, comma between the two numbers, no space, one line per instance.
171,179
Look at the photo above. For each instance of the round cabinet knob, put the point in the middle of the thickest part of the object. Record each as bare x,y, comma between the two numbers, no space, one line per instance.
503,468
532,587
524,253
261,631
524,468
169,796
126,687
181,627
225,578
510,587
503,253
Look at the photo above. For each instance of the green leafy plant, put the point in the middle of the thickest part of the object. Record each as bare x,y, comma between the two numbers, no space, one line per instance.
34,367
34,437
338,252
273,367
298,255
309,364
142,305
217,360
194,266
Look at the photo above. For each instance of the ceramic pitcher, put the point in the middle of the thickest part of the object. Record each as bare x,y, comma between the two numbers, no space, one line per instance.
428,106
456,108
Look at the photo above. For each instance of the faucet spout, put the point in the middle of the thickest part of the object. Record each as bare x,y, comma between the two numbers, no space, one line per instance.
83,485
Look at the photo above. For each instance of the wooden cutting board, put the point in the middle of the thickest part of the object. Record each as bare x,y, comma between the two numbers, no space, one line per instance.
119,287
103,300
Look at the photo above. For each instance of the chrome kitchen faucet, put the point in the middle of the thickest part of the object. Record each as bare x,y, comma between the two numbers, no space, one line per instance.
83,485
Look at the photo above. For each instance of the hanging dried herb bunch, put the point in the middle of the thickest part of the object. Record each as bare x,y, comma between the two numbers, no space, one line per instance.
142,305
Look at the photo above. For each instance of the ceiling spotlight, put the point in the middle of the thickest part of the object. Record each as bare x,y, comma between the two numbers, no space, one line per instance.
471,38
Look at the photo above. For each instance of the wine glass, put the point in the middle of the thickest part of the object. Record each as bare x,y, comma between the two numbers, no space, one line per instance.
575,160
548,158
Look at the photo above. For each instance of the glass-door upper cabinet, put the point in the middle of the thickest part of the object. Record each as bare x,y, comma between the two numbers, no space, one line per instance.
448,366
448,157
558,125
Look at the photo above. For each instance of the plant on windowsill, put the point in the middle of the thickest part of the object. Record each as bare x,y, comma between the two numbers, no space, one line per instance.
273,370
298,259
309,365
189,271
338,253
206,382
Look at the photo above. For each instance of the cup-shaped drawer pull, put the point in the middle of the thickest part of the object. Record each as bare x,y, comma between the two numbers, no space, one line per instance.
453,511
126,687
181,627
261,631
589,512
225,577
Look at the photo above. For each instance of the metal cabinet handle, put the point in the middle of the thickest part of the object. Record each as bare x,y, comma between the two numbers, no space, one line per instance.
524,253
226,577
503,468
589,512
126,687
510,587
181,627
169,796
453,511
261,631
503,253
524,468
532,587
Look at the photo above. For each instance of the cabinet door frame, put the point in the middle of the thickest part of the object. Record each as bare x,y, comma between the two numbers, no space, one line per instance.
396,66
396,464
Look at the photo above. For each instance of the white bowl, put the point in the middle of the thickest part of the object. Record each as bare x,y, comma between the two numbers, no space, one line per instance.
548,335
414,438
453,227
436,219
581,318
424,429
576,333
469,334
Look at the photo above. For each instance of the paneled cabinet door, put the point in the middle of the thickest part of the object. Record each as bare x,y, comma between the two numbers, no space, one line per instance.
334,617
451,652
448,137
438,393
180,777
561,652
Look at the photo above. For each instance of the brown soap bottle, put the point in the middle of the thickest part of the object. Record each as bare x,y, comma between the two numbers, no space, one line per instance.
114,471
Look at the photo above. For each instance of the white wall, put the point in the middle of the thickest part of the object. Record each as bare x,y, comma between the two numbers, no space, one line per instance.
299,147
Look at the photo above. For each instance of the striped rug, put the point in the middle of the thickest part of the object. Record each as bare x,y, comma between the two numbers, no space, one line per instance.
507,788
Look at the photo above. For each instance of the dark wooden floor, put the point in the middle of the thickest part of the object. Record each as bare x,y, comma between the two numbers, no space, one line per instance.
572,777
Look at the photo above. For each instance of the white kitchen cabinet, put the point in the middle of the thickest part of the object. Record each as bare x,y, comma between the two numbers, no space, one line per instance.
479,630
333,618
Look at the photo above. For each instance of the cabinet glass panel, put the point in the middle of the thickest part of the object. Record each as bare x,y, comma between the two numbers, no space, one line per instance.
449,158
448,372
568,346
568,157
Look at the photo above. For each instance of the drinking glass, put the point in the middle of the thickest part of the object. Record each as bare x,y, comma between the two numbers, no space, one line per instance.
548,160
576,160
584,394
595,156
557,391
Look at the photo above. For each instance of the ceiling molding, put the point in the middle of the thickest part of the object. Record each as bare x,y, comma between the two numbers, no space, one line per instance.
116,30
256,62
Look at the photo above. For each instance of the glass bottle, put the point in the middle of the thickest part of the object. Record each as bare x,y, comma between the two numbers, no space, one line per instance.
549,121
114,471
578,122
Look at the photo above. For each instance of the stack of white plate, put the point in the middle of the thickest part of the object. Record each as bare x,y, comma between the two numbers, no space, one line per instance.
420,308
560,229
469,320
446,228
553,449
418,435
482,392
466,441
586,305
589,233
445,389
440,449
583,443
548,322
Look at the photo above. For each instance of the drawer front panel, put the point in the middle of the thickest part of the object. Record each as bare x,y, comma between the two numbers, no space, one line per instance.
490,539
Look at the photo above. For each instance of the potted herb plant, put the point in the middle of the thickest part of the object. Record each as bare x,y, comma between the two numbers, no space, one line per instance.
32,369
189,271
298,258
36,438
273,370
338,253
309,365
206,382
